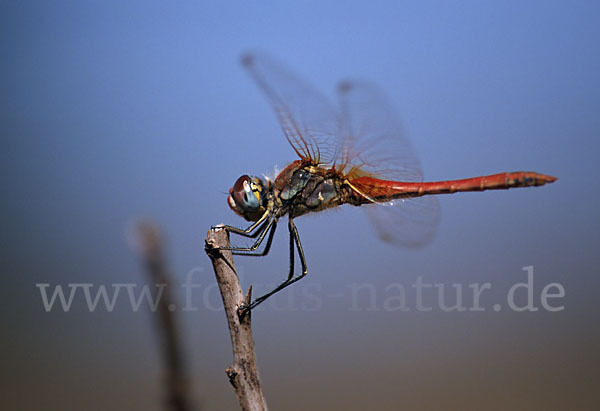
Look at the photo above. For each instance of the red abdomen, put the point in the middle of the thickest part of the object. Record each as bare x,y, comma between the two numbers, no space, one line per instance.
384,190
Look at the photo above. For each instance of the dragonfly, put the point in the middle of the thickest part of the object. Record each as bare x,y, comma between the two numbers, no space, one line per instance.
355,154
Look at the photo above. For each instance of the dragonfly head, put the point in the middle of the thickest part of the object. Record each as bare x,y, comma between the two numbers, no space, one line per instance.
246,197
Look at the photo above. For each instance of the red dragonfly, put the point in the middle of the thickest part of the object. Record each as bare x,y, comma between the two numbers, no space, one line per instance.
357,155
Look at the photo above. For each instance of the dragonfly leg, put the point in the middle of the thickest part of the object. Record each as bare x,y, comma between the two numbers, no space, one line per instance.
294,241
269,225
248,231
265,251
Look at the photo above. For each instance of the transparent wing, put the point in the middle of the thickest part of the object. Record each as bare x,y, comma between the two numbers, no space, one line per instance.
373,144
410,222
372,137
309,122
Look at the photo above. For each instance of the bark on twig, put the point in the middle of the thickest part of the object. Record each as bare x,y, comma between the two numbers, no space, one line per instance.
152,250
243,374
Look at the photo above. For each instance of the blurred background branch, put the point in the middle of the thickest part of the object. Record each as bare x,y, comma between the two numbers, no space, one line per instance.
152,251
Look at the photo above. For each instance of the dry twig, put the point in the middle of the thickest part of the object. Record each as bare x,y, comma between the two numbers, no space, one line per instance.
243,374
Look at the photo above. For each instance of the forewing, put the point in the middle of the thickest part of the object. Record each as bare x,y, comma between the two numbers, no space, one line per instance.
309,122
373,144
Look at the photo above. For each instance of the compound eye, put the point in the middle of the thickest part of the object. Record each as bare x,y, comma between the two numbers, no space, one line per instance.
243,194
240,183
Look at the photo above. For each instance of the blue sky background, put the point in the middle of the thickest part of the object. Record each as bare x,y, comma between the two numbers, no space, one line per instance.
112,111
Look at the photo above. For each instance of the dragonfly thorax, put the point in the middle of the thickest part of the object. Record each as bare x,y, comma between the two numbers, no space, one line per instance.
302,188
248,197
